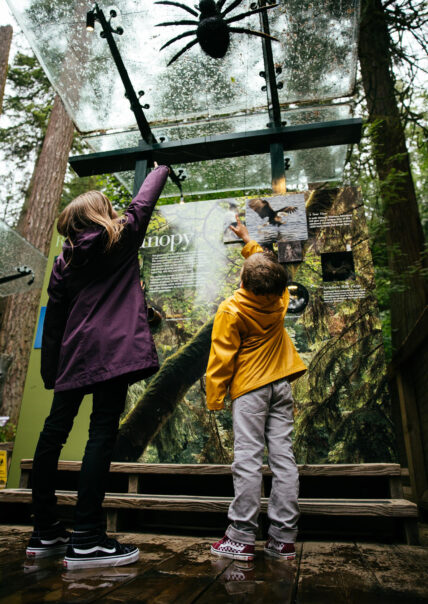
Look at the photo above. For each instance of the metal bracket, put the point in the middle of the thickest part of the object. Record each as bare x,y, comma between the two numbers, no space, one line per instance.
21,271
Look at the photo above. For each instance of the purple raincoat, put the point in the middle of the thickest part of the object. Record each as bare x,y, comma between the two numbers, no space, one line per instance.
96,324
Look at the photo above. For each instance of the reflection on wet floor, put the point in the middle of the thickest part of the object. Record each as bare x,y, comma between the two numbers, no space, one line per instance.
182,570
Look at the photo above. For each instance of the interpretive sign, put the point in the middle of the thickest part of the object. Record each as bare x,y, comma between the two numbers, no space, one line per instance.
320,236
342,404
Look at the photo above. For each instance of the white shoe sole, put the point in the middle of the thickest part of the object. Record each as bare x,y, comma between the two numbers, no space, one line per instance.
247,557
274,554
73,563
44,552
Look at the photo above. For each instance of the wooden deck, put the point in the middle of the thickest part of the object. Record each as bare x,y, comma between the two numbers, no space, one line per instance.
181,570
187,489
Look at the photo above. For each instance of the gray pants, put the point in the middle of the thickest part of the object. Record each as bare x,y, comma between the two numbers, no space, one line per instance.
264,413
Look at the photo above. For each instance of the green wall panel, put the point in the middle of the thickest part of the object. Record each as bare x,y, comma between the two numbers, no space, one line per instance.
36,401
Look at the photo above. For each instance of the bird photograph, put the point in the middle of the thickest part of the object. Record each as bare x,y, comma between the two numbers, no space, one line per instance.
337,266
263,208
277,218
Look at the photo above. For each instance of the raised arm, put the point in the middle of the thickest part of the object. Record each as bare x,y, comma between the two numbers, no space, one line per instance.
141,207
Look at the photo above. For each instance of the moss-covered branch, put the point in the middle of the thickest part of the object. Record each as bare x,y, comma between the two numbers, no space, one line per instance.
165,390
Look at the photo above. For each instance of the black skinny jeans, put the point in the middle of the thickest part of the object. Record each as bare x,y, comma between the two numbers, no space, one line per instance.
108,404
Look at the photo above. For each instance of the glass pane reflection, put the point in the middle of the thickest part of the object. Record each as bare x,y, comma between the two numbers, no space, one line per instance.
316,52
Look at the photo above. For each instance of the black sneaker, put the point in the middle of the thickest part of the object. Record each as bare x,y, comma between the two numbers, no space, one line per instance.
94,549
52,541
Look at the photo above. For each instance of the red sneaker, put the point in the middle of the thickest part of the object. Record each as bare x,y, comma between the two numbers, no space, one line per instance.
279,549
226,548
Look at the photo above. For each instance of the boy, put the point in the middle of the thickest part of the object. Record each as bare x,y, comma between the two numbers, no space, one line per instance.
252,354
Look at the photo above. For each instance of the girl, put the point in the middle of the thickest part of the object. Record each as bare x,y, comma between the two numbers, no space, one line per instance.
96,340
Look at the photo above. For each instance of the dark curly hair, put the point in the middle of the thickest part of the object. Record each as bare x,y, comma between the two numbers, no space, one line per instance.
262,274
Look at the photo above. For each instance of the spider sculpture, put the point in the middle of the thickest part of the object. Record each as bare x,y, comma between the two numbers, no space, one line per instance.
213,30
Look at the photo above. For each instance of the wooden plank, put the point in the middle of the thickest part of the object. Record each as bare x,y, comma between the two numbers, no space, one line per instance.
88,585
24,479
265,580
331,573
17,573
112,521
402,578
364,469
367,469
133,483
413,438
395,487
180,578
359,507
414,340
330,507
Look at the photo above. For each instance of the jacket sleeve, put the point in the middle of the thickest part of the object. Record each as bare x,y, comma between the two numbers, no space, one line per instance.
141,207
53,328
225,343
250,248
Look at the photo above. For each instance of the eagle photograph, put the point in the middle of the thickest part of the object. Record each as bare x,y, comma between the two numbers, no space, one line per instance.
277,218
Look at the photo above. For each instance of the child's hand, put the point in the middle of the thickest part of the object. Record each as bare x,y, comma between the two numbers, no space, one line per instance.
156,165
241,230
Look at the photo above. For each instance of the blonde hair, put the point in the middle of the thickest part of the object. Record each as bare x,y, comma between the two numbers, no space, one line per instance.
92,207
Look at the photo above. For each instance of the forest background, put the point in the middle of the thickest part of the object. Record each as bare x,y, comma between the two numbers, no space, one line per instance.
29,99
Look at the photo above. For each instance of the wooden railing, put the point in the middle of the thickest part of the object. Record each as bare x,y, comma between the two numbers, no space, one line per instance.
409,368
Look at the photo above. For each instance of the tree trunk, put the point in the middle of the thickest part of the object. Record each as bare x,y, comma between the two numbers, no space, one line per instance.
36,226
404,234
177,374
5,41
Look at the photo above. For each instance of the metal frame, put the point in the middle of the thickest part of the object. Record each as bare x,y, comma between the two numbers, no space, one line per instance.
276,148
307,136
273,140
143,125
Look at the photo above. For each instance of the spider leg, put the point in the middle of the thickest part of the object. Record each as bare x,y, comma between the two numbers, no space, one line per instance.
230,7
183,6
183,50
183,22
220,5
250,12
242,30
187,33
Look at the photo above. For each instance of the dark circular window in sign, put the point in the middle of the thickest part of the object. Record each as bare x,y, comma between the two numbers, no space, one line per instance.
299,298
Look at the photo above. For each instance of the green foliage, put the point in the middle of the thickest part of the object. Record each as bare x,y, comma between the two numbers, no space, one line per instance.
26,107
7,432
342,403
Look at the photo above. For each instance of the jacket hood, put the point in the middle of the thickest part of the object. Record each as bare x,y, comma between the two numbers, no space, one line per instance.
86,245
265,310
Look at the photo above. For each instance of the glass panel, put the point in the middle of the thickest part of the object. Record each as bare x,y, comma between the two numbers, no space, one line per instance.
225,125
323,164
243,173
17,253
316,52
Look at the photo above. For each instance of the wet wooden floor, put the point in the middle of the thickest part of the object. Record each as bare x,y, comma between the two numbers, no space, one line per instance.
182,570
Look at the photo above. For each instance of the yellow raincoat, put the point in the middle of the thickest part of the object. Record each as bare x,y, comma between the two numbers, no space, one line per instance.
250,347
